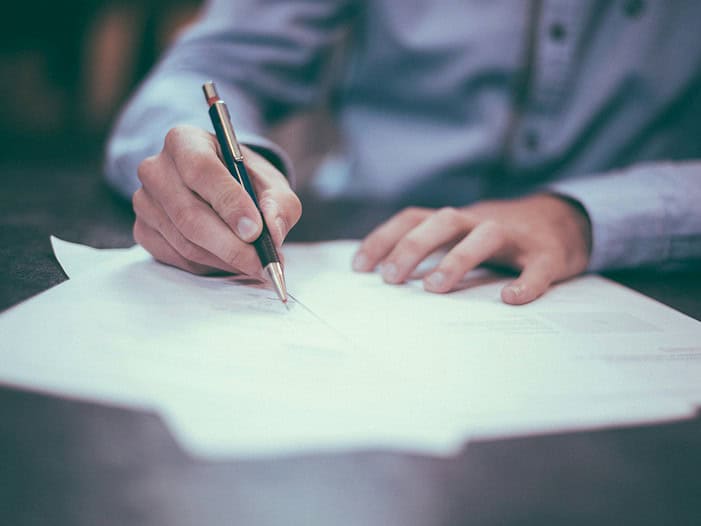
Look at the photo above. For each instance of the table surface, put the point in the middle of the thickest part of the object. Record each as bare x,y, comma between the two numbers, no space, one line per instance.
67,462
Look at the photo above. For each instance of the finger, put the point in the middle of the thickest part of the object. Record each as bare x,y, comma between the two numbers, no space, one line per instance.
194,153
441,227
481,244
152,215
280,205
534,281
382,240
194,218
159,248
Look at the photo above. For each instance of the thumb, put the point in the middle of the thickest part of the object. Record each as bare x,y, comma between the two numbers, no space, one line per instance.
534,281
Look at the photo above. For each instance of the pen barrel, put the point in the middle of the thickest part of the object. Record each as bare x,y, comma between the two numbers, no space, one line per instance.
265,248
229,148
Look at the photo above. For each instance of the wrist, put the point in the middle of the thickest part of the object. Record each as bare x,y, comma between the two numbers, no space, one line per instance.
575,221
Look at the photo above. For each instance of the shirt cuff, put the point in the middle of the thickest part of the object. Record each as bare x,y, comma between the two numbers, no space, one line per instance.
627,219
272,152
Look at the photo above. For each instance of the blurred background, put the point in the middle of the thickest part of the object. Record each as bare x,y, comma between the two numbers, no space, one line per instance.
66,67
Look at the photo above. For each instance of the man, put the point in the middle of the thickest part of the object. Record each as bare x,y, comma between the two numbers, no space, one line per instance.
552,137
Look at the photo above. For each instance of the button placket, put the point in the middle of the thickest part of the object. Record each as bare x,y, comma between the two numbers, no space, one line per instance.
558,29
560,25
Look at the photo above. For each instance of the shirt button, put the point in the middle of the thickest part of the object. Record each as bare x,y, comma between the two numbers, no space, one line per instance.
531,140
557,32
633,8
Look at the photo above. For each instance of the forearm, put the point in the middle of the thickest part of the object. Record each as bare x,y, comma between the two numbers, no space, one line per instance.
167,99
266,57
646,215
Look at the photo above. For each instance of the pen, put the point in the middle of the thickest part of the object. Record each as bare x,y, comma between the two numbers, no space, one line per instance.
233,158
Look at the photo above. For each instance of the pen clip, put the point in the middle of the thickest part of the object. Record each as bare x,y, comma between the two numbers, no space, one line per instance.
217,105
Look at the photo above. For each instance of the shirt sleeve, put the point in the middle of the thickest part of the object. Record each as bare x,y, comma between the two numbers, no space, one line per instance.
267,58
646,215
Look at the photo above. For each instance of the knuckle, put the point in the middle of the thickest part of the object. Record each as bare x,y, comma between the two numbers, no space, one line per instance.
147,170
449,214
468,215
269,208
286,225
175,136
410,245
186,218
138,202
459,260
492,226
197,172
494,229
375,243
411,212
294,207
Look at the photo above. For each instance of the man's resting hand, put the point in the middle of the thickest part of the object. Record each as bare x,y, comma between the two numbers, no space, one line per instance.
546,237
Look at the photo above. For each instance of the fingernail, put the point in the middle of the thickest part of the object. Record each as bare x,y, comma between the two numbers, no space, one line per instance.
360,262
436,280
515,290
389,272
246,228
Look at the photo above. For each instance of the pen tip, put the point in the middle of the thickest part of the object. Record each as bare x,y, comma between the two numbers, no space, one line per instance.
274,271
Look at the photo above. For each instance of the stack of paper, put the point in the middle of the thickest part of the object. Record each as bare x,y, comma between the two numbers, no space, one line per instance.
353,362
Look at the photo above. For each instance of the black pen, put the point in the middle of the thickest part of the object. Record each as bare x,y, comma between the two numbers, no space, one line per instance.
233,158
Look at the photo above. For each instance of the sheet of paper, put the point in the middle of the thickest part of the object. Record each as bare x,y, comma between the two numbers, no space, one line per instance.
357,364
76,259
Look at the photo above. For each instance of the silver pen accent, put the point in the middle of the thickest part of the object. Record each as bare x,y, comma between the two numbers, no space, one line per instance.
233,158
277,278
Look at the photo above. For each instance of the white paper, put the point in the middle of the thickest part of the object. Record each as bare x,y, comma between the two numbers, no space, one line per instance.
76,259
357,364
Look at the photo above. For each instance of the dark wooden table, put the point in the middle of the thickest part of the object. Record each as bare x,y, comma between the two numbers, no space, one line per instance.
65,462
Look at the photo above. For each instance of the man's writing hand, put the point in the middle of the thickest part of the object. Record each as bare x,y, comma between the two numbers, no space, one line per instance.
544,236
192,214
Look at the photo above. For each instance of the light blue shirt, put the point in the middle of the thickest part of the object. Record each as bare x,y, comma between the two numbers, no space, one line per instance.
444,102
